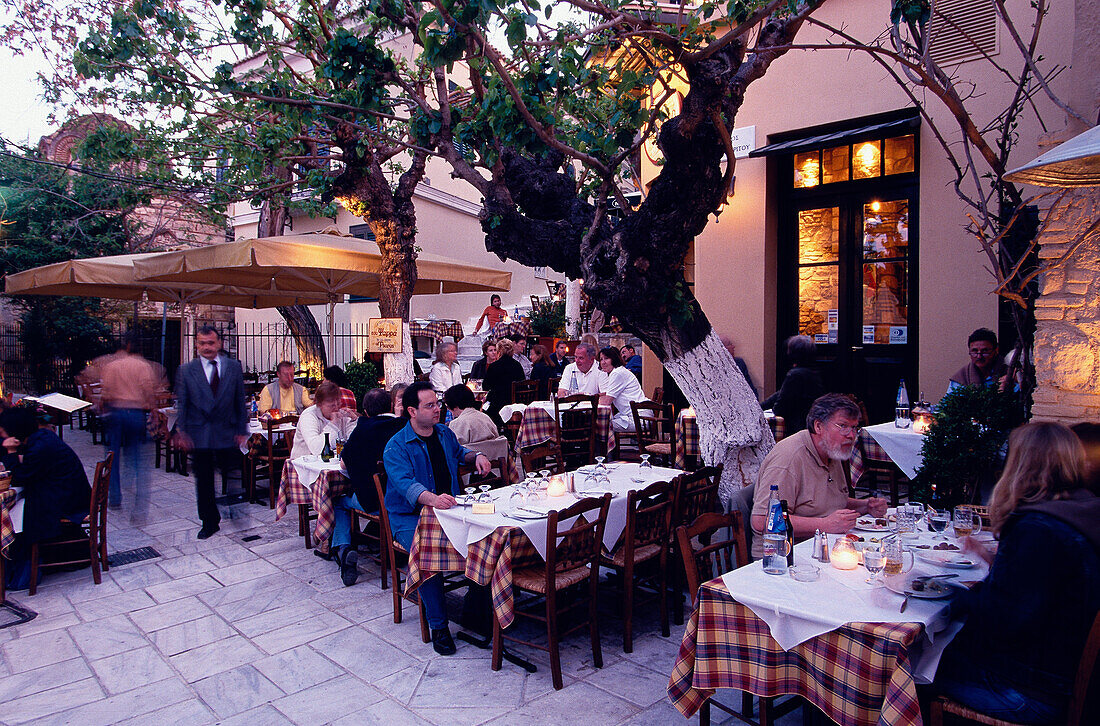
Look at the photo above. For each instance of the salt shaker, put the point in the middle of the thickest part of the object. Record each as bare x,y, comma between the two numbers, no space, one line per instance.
821,546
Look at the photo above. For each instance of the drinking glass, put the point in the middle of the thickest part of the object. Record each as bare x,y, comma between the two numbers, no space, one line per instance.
966,521
485,497
470,493
600,468
516,499
895,558
938,521
544,475
645,462
907,523
875,562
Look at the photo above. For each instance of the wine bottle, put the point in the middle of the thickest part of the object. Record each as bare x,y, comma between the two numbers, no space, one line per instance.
326,451
790,532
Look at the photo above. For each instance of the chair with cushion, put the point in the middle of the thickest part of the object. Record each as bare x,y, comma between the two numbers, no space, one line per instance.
576,418
646,539
1084,702
525,391
655,426
91,530
572,561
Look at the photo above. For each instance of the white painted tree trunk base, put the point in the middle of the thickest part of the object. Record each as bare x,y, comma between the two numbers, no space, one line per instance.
732,428
398,367
572,308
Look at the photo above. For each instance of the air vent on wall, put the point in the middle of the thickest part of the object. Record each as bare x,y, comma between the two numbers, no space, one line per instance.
963,30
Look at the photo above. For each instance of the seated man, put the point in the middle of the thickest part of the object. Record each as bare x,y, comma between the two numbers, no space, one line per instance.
632,360
519,343
361,455
422,465
985,368
469,424
808,469
283,393
582,375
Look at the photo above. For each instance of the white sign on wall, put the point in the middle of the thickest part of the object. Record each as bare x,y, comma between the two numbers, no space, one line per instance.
540,273
743,141
899,334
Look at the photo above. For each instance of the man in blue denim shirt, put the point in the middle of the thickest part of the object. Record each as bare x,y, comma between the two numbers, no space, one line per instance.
421,463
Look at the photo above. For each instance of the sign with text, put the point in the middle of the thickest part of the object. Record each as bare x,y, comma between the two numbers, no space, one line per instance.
540,273
384,335
743,141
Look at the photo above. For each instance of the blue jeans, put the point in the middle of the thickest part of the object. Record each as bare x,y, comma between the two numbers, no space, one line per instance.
431,590
341,519
973,686
126,431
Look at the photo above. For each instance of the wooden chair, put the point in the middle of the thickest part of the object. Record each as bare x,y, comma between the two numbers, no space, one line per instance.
694,493
572,560
655,425
279,444
646,538
511,428
576,428
525,391
92,530
1084,702
393,551
546,455
659,395
496,478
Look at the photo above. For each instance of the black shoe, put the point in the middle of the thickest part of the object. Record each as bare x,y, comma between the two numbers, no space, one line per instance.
208,530
326,556
349,565
442,641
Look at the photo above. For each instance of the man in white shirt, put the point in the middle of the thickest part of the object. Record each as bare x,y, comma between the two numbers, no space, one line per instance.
582,375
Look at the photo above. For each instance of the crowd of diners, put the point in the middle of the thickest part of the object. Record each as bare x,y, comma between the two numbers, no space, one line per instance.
1024,625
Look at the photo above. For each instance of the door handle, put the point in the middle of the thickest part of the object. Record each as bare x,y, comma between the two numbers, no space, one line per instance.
856,348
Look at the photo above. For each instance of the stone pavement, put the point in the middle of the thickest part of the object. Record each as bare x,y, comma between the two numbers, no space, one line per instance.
263,632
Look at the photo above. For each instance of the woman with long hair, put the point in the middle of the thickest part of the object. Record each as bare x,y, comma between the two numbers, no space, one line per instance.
542,369
1026,623
499,377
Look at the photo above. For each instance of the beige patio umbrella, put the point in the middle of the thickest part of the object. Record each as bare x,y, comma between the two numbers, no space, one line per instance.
1074,163
328,264
114,278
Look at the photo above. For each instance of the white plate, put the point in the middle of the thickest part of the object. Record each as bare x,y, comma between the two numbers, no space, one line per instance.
947,558
867,524
526,515
934,589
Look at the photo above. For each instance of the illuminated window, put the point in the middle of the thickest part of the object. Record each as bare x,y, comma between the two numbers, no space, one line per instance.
807,169
866,159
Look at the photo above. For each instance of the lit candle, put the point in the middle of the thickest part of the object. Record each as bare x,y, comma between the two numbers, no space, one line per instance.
556,487
920,426
844,555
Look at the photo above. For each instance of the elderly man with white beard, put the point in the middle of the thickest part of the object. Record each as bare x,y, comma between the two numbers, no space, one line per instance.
808,469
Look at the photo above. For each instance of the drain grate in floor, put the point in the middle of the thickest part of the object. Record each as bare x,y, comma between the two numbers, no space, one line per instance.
128,557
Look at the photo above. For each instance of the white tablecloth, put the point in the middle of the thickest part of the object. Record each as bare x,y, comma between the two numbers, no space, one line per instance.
901,445
506,412
309,468
463,527
798,611
16,511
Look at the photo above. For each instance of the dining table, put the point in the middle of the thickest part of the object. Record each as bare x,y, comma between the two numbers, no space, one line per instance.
537,424
308,481
487,548
687,434
11,524
436,329
846,646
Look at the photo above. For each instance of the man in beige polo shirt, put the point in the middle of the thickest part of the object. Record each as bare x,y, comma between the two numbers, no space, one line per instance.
808,469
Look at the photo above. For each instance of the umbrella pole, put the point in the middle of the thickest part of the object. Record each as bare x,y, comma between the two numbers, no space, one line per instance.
331,331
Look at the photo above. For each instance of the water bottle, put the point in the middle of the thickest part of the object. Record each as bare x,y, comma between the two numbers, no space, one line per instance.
901,410
573,387
775,536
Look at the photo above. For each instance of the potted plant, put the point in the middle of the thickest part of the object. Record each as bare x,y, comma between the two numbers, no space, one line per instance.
548,322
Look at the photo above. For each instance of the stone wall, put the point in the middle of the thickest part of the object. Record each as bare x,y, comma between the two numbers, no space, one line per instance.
1067,338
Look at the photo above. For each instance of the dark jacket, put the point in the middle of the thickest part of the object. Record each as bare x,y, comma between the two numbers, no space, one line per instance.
363,451
54,481
211,420
543,372
498,382
477,371
1026,623
748,378
801,387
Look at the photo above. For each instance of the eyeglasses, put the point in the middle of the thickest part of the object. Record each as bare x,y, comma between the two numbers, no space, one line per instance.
430,405
845,428
981,352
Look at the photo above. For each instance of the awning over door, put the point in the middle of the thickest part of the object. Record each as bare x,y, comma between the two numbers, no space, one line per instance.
836,138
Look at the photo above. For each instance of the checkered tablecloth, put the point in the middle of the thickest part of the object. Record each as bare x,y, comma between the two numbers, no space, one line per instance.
437,330
866,449
328,486
7,530
490,561
687,435
859,674
538,426
504,330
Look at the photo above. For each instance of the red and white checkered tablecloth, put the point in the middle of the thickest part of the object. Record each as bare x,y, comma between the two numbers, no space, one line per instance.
859,674
538,426
687,435
328,486
437,330
490,561
7,530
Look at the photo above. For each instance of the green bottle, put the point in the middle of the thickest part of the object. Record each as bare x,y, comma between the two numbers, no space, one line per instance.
326,452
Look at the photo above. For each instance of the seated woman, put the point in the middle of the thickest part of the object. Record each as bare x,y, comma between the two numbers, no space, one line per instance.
499,377
1026,624
619,389
445,371
469,424
488,356
801,386
324,417
54,482
542,369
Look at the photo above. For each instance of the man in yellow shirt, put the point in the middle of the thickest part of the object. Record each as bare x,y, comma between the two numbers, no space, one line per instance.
289,396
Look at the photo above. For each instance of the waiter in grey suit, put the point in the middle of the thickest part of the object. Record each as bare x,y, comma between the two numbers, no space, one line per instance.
213,421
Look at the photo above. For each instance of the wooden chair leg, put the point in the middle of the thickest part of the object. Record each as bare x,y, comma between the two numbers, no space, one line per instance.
628,608
424,634
93,555
396,589
384,562
704,713
34,569
498,646
552,638
303,525
662,603
593,619
935,713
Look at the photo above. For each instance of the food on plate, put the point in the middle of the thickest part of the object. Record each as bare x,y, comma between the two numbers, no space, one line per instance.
946,546
881,522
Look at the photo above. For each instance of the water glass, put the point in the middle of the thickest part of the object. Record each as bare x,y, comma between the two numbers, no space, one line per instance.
516,499
966,521
938,520
875,562
645,462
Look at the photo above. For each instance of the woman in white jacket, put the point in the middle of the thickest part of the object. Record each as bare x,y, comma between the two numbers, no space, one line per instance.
618,389
445,371
324,416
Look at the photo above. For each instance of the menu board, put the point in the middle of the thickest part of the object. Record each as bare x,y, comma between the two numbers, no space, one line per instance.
384,335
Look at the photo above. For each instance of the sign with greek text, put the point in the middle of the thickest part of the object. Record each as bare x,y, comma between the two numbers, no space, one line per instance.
743,141
384,335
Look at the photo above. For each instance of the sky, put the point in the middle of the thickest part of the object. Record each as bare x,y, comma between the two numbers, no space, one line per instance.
22,112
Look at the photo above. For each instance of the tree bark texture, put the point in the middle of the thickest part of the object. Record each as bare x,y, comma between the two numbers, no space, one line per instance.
633,269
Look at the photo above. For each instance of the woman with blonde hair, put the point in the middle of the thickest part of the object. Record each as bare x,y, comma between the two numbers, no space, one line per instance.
499,377
1026,623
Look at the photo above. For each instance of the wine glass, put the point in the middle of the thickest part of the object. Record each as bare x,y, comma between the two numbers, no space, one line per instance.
600,468
469,494
532,480
938,521
516,499
485,493
646,464
544,474
875,562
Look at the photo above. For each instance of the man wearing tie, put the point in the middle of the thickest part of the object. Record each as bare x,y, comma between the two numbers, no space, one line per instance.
213,421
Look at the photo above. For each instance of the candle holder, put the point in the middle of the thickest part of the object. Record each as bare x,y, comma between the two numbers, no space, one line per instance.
556,487
844,555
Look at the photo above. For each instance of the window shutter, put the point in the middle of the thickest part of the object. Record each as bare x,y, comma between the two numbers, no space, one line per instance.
963,30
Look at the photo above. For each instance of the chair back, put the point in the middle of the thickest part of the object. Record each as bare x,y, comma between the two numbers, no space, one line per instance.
1084,702
717,557
742,502
383,513
576,419
492,448
525,391
696,494
546,455
97,507
496,478
649,516
287,437
654,423
582,543
659,394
